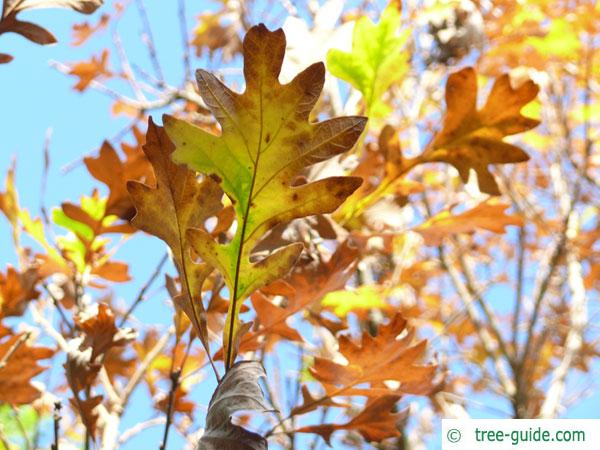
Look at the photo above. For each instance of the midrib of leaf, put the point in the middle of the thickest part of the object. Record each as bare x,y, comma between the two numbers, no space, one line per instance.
232,315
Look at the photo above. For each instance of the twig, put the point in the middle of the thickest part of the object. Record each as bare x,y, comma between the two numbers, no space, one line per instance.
13,348
174,385
56,304
141,369
185,40
139,427
574,340
144,289
56,417
519,289
148,39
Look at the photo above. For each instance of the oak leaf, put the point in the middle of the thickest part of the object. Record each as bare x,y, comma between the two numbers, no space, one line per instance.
238,390
100,331
114,172
303,287
380,358
31,31
88,71
18,365
267,140
16,290
486,215
375,422
376,61
472,138
178,202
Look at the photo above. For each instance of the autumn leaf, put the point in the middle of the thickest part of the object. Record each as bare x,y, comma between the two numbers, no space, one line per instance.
31,31
18,365
376,61
100,331
238,390
377,359
88,71
488,216
375,422
472,138
361,300
303,287
114,172
83,31
383,168
16,290
178,202
266,141
212,35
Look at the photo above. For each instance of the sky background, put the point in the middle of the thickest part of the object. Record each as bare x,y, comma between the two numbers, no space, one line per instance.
36,101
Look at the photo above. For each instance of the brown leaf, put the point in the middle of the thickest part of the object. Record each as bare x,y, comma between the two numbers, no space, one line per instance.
88,71
83,31
238,390
109,169
377,359
4,58
16,290
100,331
375,422
486,215
88,412
18,365
212,35
178,202
473,139
115,271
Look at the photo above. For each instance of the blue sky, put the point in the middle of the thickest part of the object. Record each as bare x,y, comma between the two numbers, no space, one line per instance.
35,98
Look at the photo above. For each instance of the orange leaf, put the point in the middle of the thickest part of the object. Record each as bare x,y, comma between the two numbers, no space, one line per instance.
486,215
375,422
88,71
18,365
473,139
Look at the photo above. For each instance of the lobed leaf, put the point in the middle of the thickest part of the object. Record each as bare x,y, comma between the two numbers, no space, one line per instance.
266,141
472,138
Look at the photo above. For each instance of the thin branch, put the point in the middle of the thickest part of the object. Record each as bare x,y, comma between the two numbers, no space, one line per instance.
174,385
141,295
148,39
185,40
141,369
139,427
13,348
56,418
574,340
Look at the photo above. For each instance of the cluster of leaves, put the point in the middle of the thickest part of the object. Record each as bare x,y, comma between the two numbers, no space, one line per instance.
351,269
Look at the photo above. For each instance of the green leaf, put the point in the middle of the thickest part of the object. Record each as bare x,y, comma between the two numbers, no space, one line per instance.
266,142
376,61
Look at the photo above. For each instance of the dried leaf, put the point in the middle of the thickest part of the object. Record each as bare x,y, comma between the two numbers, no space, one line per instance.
486,215
83,31
18,365
88,71
178,202
267,140
473,139
109,169
16,290
238,390
100,331
375,422
379,358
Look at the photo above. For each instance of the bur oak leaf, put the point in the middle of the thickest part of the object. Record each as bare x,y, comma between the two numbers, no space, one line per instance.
178,202
266,141
472,138
375,422
486,215
376,61
390,355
